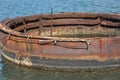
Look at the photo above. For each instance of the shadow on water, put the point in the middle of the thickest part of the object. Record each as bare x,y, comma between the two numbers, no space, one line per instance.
10,71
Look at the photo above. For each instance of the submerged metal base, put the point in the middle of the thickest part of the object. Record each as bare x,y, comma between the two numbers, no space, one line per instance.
65,65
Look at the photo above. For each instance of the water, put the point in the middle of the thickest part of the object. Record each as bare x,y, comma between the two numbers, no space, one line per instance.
13,8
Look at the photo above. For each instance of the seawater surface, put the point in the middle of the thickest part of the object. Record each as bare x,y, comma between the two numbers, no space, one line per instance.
13,8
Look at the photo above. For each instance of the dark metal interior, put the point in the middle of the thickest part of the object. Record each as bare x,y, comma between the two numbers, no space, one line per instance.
73,25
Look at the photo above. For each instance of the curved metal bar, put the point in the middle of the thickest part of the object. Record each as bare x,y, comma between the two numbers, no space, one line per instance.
45,42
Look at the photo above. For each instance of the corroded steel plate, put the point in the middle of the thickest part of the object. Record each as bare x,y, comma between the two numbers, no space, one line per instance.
69,41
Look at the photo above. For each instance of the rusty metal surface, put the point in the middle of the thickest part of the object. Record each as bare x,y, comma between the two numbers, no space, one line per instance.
63,36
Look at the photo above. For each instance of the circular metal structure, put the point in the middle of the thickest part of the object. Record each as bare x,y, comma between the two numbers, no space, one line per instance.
65,41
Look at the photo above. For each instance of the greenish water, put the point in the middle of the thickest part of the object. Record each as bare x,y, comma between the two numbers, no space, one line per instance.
10,71
12,8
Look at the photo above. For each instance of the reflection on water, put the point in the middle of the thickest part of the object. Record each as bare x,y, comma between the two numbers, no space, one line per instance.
12,71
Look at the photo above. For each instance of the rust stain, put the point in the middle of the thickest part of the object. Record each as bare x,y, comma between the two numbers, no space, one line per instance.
71,39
